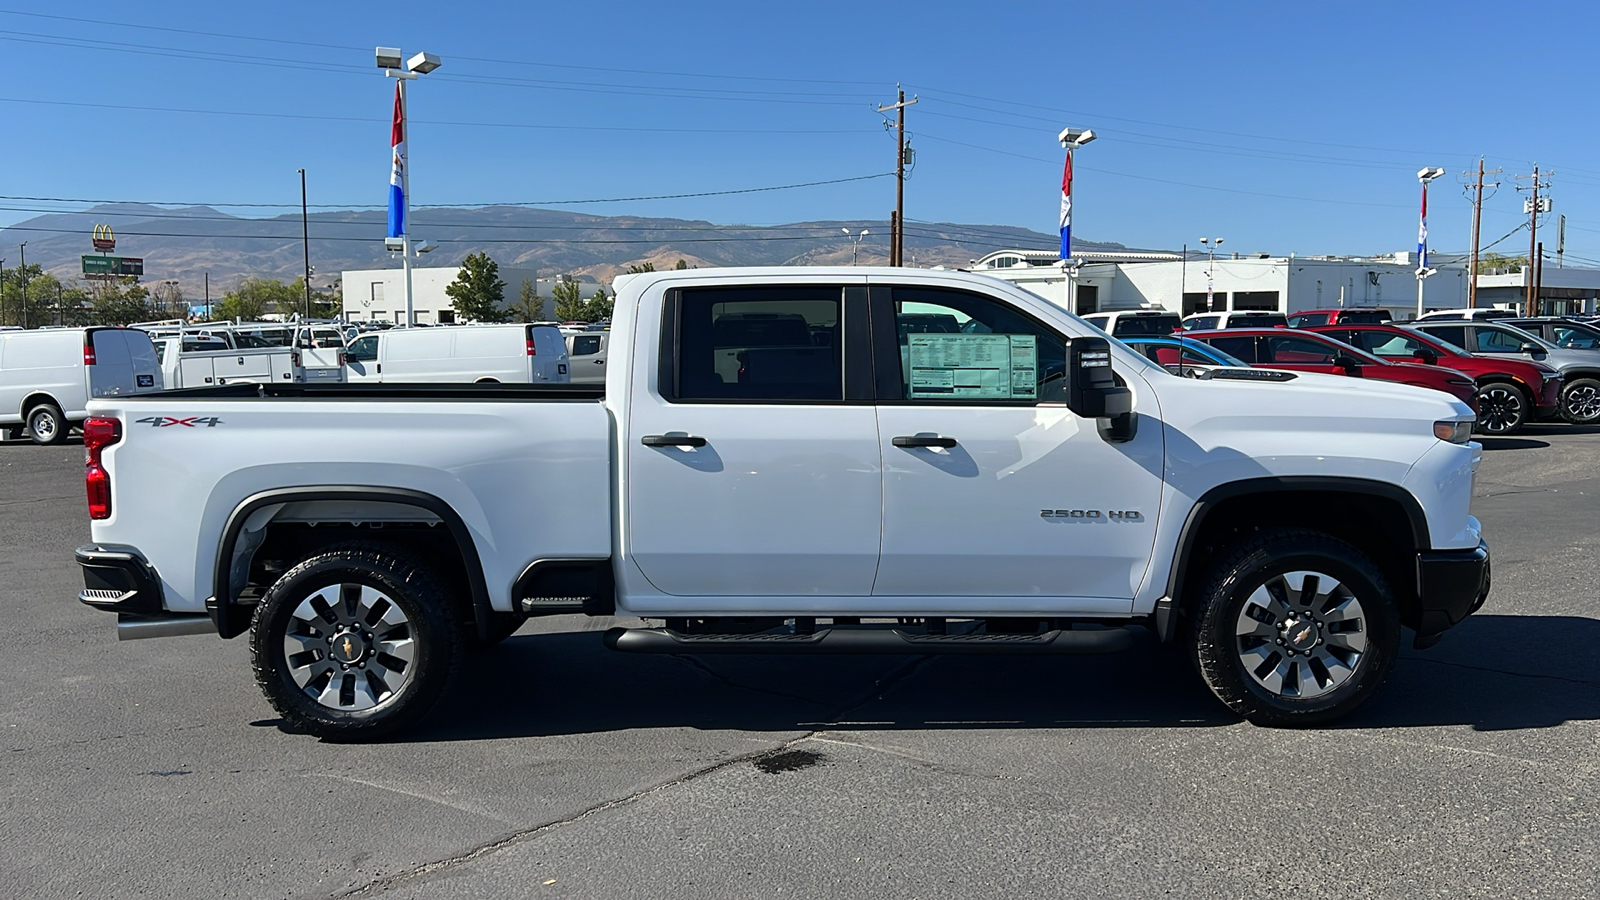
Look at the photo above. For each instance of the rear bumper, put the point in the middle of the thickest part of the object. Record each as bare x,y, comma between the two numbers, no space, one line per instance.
118,579
1451,585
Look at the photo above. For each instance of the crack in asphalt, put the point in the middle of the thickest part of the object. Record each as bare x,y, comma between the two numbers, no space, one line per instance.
697,665
886,683
1441,662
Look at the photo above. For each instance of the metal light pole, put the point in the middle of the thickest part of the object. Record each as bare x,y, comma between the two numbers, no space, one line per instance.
305,240
388,59
855,242
22,280
1425,176
1211,245
1072,139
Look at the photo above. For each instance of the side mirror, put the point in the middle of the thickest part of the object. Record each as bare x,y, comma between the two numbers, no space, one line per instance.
1347,362
1426,356
1537,351
1092,389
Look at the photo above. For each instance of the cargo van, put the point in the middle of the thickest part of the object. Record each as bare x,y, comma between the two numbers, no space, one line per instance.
48,375
586,354
515,354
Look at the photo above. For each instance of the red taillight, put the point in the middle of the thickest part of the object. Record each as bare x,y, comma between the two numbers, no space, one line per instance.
88,350
531,350
98,434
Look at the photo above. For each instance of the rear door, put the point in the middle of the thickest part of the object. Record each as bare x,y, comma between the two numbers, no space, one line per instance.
996,497
586,354
759,478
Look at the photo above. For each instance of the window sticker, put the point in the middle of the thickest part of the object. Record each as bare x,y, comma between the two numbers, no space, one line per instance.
972,366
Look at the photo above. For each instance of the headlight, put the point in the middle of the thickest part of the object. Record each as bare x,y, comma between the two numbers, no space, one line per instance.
1453,431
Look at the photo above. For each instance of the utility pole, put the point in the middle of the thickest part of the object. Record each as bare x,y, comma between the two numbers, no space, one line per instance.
1477,233
208,296
22,278
1538,272
1533,208
897,237
1561,239
305,240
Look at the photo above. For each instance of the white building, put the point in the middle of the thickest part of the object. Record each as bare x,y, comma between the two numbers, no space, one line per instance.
1258,282
1562,291
379,295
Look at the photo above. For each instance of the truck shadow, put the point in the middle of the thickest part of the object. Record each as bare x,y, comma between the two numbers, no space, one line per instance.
1493,673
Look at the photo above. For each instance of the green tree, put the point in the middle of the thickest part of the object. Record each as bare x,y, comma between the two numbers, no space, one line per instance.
1496,261
682,264
569,300
122,302
478,294
641,269
598,307
528,308
28,297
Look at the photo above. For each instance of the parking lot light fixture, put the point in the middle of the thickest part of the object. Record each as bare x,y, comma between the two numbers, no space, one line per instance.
1211,245
388,59
1424,175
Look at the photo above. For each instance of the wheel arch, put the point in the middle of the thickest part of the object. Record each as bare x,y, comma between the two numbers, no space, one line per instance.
39,398
1382,520
232,619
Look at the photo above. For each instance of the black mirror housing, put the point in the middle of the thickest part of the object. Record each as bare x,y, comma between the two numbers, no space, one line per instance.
1346,361
1092,389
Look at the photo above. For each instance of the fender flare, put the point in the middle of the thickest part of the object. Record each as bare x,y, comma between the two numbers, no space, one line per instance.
225,613
1167,607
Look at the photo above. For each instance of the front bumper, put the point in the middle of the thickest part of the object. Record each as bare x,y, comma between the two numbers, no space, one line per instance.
1451,585
1549,401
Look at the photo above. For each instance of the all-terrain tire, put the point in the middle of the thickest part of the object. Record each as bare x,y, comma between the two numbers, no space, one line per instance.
355,642
1294,628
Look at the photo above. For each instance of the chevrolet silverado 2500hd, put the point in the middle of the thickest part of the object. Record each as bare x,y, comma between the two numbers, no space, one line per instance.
789,460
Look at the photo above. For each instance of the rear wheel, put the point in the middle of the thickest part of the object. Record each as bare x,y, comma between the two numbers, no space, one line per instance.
47,425
355,642
1580,401
1502,409
1297,628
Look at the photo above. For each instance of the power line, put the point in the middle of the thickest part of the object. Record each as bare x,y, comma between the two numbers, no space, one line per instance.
368,240
358,206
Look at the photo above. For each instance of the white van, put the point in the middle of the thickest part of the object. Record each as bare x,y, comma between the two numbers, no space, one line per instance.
586,353
517,354
47,376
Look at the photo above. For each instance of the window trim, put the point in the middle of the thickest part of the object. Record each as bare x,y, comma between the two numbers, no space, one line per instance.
669,369
886,346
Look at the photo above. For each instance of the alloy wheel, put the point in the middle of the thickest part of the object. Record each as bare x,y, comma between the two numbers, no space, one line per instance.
349,647
1501,409
1301,634
1583,403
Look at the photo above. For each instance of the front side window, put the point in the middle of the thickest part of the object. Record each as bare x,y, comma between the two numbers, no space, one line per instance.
363,349
982,351
1387,344
755,344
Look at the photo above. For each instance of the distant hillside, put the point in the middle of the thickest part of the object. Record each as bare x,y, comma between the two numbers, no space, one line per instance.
185,244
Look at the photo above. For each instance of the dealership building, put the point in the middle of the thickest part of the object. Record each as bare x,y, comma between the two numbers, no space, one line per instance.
1107,282
379,295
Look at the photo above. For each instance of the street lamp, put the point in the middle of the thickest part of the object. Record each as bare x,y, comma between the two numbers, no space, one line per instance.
1211,245
855,242
1072,139
388,59
1425,176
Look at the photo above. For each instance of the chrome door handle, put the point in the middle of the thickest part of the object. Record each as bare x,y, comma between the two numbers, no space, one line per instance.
924,440
672,440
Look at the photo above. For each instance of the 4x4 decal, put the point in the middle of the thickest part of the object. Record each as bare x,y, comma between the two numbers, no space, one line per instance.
190,422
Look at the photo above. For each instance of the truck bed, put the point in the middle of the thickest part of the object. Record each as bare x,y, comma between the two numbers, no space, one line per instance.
340,391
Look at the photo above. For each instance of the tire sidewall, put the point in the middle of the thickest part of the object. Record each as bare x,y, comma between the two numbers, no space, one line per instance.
1566,406
1226,672
431,626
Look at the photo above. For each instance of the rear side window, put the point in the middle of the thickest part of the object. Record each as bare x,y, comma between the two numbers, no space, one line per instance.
1386,344
1299,351
1145,325
1306,320
1577,338
1243,348
1365,317
1238,321
1451,334
585,344
758,344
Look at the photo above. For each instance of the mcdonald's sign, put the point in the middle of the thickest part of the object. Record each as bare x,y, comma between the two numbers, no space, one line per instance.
104,240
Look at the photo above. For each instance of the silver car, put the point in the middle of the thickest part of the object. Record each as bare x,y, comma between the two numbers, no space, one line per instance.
1580,397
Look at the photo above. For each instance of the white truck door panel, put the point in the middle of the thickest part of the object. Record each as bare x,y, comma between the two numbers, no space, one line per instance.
783,499
973,389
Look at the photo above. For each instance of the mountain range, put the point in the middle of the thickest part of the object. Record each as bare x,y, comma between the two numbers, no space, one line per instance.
186,244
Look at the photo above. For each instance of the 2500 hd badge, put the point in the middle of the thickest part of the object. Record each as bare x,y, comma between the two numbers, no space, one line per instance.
1114,515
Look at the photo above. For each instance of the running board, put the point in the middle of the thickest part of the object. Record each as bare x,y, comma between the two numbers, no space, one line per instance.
842,640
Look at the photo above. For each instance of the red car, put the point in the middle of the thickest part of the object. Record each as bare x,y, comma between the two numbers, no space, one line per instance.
1299,350
1306,318
1511,392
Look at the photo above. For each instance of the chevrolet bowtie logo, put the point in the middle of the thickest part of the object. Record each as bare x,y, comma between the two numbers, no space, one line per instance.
1298,639
349,649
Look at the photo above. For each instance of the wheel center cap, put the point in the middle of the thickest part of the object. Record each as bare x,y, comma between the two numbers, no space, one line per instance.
349,647
1301,634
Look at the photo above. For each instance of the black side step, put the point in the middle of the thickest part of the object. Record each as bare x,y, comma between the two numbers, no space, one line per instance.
850,640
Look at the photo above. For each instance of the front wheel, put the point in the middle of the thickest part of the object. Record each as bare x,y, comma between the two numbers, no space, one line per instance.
1502,409
355,642
1580,401
1295,628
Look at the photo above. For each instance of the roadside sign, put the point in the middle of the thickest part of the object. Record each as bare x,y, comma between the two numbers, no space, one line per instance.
113,265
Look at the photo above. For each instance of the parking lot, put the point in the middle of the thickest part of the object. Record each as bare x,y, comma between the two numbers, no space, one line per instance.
558,768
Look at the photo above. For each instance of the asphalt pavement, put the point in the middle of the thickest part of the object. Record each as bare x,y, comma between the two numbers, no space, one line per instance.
560,769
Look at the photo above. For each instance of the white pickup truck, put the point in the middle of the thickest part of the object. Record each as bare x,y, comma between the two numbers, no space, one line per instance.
787,460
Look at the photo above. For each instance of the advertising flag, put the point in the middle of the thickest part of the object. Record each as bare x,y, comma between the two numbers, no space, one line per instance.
1066,210
397,171
1422,232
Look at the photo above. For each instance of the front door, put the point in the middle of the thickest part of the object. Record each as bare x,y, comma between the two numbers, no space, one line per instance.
993,489
361,359
751,470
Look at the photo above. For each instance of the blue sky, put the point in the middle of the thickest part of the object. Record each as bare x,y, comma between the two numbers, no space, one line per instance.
1283,127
